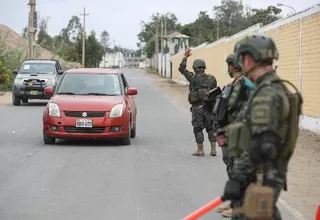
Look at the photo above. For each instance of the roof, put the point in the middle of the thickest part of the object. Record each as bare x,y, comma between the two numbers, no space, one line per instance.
177,34
93,71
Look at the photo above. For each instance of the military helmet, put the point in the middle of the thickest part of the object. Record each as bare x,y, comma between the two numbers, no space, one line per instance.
261,47
232,60
199,63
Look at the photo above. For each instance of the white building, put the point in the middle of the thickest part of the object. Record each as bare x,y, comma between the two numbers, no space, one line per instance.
112,59
176,42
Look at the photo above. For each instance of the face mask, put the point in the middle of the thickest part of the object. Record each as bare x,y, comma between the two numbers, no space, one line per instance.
248,83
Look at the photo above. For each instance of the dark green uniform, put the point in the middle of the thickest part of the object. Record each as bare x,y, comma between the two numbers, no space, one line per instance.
236,96
264,135
199,84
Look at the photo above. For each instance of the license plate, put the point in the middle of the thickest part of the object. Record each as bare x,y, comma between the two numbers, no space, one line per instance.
84,123
34,92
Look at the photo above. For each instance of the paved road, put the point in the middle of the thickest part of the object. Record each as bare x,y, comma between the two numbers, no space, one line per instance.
154,178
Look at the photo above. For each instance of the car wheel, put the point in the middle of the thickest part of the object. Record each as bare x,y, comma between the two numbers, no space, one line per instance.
133,131
126,140
16,100
25,101
47,139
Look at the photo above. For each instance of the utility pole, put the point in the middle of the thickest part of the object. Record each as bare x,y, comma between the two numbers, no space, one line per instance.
218,21
161,44
32,27
165,26
84,37
114,51
156,40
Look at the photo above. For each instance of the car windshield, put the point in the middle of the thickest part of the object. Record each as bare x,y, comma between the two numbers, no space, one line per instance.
37,68
90,84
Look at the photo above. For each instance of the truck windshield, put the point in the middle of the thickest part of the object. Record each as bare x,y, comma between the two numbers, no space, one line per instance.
37,68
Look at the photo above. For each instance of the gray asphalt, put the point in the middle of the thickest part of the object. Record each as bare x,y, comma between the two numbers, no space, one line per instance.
153,178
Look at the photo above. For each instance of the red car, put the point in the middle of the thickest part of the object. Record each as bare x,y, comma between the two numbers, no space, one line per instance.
90,103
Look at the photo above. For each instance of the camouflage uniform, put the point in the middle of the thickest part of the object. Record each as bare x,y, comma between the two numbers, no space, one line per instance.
263,128
201,119
239,94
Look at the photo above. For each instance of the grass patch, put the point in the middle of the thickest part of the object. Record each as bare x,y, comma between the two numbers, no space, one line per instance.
171,81
5,88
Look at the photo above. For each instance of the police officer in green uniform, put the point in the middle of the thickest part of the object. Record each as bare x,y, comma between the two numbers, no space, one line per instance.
228,106
264,135
200,84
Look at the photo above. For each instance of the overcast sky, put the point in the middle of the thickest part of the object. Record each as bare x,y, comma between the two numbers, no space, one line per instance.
121,18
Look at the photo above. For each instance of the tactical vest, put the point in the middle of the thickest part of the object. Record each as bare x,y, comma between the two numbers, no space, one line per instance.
239,136
230,102
238,96
199,86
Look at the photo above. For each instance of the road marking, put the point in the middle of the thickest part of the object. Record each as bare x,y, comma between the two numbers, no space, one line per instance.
296,214
26,157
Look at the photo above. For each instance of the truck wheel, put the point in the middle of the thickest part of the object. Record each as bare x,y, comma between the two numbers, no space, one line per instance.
25,101
16,100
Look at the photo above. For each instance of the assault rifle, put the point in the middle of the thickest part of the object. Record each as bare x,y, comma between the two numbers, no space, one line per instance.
220,109
210,98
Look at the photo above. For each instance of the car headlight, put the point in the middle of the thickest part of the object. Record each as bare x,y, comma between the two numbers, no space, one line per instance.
116,111
18,81
54,110
51,82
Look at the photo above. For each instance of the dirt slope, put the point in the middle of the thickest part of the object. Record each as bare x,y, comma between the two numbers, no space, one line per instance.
14,41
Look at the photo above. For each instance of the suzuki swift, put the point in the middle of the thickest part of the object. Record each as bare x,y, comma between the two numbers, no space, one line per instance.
90,103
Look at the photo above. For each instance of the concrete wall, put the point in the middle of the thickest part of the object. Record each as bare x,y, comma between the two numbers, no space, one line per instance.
298,40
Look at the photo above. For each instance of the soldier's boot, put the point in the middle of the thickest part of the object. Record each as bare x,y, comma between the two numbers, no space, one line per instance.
227,213
213,149
199,152
223,208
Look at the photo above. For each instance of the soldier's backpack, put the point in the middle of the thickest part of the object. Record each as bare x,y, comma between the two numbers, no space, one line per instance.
199,86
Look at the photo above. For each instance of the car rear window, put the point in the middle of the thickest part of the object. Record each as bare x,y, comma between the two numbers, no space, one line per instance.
90,84
37,68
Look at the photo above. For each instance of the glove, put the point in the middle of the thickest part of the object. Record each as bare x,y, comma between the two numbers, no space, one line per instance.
232,190
263,148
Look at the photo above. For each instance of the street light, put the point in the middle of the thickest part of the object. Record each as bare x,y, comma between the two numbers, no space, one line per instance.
280,4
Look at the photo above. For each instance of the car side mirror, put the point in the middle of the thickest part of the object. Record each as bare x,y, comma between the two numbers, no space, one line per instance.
48,90
60,72
132,91
15,72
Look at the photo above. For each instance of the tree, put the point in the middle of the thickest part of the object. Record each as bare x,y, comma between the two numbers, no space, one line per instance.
44,39
94,50
148,30
104,39
265,16
5,74
231,17
24,33
201,30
